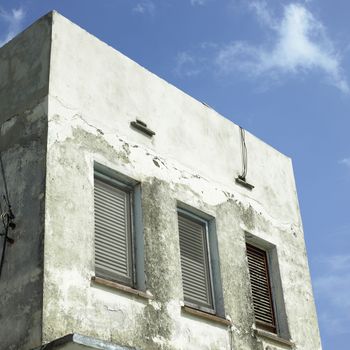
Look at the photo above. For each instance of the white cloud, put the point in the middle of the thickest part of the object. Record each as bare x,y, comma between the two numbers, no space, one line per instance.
187,65
198,2
145,7
345,161
13,20
298,44
261,10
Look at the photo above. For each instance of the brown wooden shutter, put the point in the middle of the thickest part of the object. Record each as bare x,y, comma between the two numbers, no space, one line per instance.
194,262
261,288
113,253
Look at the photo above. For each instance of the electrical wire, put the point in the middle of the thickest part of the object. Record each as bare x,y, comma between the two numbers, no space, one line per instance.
6,197
7,217
244,155
6,227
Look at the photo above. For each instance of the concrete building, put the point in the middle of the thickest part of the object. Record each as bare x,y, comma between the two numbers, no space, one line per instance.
138,225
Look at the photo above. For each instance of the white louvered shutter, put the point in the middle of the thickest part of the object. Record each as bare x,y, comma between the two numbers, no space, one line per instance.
261,288
194,262
113,254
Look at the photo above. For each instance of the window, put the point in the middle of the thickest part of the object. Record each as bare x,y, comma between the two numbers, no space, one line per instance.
118,240
199,263
261,288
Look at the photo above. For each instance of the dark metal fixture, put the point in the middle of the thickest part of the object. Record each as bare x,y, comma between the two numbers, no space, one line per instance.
141,126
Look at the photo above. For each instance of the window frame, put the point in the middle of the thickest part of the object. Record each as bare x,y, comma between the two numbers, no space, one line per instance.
212,261
271,327
135,236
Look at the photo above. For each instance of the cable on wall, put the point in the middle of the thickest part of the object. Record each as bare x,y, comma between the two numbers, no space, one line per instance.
241,179
244,155
7,217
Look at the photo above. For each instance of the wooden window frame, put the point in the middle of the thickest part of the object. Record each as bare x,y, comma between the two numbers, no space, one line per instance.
271,327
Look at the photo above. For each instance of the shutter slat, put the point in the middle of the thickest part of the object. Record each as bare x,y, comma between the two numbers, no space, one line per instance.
260,284
193,279
111,207
105,194
260,267
107,233
111,256
194,261
259,295
112,264
190,243
192,254
112,231
257,272
110,244
115,215
106,246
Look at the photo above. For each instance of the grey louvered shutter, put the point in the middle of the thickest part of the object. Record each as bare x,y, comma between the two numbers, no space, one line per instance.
113,254
194,262
261,288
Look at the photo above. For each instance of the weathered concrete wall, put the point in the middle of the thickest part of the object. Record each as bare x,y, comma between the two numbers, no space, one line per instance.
24,69
24,72
95,92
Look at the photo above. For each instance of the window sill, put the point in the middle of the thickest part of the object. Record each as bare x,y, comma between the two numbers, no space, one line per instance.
259,333
121,287
206,316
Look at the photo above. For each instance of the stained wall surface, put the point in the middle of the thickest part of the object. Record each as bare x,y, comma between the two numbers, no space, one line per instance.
95,92
24,74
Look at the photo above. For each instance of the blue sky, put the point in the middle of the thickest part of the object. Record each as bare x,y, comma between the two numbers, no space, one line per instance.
281,69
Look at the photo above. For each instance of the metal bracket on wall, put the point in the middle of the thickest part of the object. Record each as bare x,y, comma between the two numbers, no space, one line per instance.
241,181
141,126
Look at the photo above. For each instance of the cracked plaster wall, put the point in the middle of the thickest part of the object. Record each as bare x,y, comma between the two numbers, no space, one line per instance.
193,158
